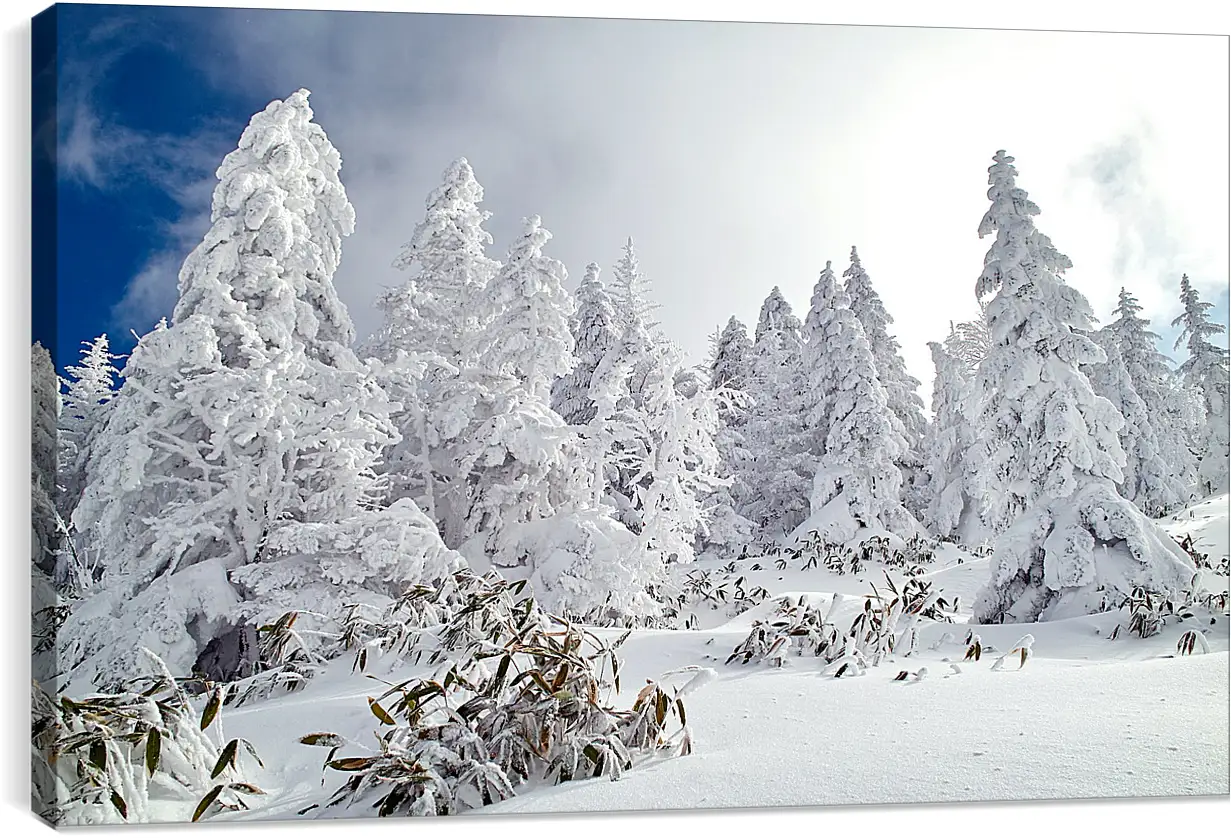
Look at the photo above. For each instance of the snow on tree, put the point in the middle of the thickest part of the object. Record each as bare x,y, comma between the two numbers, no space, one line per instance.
729,376
509,451
1206,371
968,341
45,413
1148,481
427,339
729,367
951,440
858,484
234,479
901,388
1156,384
1052,455
88,389
630,291
777,315
594,330
779,469
527,332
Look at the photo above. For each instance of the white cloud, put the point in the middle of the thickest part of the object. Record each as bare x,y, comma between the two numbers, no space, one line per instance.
742,156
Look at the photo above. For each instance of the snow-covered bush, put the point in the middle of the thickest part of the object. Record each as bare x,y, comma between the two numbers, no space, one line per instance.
519,696
105,758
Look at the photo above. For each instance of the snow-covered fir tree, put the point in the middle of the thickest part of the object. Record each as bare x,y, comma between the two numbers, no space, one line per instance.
527,332
516,458
45,412
729,367
634,316
1067,539
89,388
858,484
594,330
1205,371
1158,388
234,478
780,465
427,341
729,376
950,443
1148,481
901,388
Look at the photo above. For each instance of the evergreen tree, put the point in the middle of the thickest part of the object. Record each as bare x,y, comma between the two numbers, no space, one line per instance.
234,479
1148,481
634,312
517,459
89,388
1156,385
858,484
44,416
729,367
527,331
778,471
594,331
427,342
1206,372
1052,455
901,388
951,443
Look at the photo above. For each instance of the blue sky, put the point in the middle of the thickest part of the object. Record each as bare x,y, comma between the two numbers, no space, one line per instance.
738,156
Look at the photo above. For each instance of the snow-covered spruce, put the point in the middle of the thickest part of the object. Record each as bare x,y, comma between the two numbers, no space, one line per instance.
858,484
780,464
901,388
427,339
234,479
1206,372
1053,456
1170,411
594,330
729,367
88,390
952,509
45,407
729,530
1148,481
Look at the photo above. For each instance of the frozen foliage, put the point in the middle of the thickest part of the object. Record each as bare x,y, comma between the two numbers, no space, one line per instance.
1053,455
594,331
527,332
521,697
1206,371
1158,388
858,483
89,388
1148,481
427,339
245,436
119,757
44,416
780,464
901,388
968,341
729,368
951,438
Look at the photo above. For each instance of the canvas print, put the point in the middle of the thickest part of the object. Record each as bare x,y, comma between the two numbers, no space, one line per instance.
446,414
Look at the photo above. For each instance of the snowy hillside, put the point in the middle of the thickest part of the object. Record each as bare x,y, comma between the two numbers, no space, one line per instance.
1086,716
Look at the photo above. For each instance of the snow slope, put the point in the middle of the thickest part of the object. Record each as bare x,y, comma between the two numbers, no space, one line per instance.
1087,716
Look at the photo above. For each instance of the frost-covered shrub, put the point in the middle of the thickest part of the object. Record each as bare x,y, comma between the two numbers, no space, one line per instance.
104,758
886,625
519,696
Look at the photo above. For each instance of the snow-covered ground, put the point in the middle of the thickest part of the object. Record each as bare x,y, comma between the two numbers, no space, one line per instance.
1087,716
